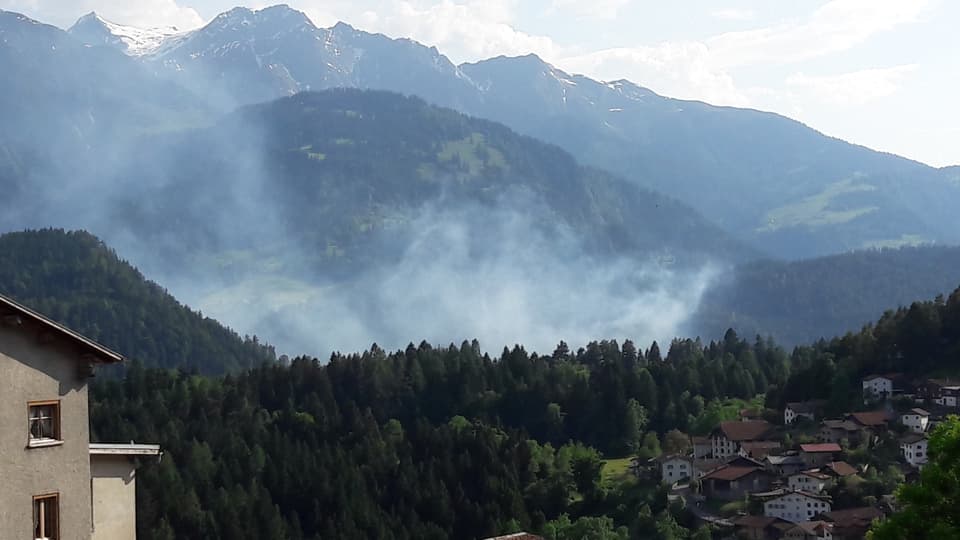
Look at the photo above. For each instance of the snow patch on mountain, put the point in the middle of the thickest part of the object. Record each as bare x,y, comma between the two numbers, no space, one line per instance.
95,30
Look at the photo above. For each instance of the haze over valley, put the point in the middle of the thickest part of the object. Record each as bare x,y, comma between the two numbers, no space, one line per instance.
480,277
270,173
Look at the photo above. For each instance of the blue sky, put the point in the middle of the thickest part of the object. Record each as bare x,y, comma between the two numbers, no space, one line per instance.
882,73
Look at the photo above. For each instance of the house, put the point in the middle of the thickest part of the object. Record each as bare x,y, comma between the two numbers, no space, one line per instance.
837,431
793,505
809,530
815,455
784,465
516,536
736,479
914,448
943,392
839,469
851,524
761,527
703,466
916,420
800,409
702,447
758,449
675,467
812,481
56,484
878,387
875,421
727,438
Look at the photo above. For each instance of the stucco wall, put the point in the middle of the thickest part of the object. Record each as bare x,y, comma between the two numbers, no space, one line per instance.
32,371
114,498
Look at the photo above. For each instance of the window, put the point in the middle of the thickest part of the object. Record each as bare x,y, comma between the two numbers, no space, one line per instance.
46,517
44,421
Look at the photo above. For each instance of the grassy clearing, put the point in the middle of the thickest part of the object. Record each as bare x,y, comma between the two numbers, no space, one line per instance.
815,211
615,471
473,152
906,240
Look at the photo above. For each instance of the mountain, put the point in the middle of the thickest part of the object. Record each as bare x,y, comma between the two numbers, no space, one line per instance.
803,301
95,30
68,108
331,206
952,173
244,57
770,180
350,164
773,182
73,278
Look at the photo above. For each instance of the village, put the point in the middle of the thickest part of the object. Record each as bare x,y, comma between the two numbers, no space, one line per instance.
799,475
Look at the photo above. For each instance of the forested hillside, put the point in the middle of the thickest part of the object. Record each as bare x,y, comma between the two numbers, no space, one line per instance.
421,443
800,302
74,279
774,182
343,174
449,443
920,340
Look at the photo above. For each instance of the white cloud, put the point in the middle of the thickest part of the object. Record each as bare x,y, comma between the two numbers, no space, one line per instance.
596,9
142,13
463,30
836,26
735,14
682,70
854,88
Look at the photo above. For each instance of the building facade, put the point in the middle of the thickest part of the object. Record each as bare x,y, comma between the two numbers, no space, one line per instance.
809,481
877,387
45,454
727,438
916,420
676,468
914,449
795,506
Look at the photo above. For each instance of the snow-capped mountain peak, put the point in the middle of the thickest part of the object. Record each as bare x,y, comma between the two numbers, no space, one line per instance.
93,29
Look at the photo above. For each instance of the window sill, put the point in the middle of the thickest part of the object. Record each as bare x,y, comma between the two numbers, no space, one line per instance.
46,443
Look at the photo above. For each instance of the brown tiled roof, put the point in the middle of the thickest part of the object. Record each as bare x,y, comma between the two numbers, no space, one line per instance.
805,406
852,516
706,465
782,492
814,527
820,448
912,438
755,522
871,419
789,459
748,430
841,468
759,449
845,425
667,457
919,411
891,376
815,473
728,472
19,313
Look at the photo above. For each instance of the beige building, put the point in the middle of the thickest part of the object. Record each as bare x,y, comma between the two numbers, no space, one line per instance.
56,486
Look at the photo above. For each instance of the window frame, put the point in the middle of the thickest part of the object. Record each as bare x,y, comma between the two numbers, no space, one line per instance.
57,438
39,499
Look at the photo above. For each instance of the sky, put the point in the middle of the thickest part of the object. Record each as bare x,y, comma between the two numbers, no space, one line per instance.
881,73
